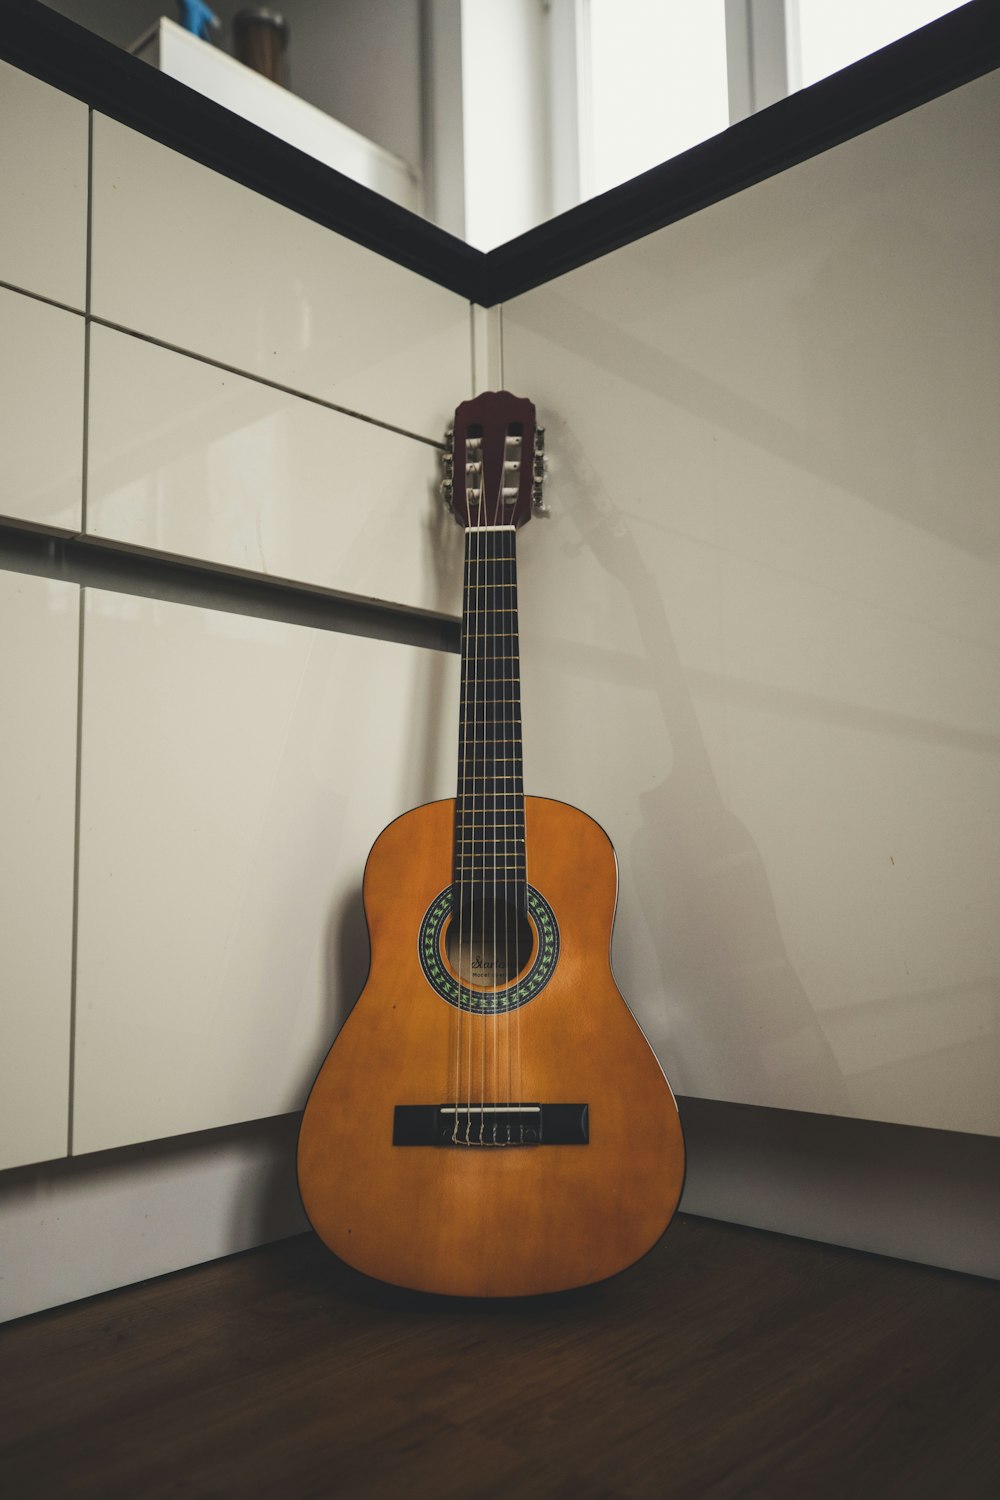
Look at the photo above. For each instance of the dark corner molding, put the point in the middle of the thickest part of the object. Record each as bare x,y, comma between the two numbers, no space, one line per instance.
939,57
960,46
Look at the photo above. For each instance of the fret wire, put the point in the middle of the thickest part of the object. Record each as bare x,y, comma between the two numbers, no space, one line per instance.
500,759
476,832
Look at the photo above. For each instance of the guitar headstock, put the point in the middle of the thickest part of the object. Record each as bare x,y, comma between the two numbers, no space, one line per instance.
494,461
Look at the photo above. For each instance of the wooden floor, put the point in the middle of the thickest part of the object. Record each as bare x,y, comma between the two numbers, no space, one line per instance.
728,1363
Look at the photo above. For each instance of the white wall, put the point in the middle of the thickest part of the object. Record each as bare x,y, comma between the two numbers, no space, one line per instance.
761,630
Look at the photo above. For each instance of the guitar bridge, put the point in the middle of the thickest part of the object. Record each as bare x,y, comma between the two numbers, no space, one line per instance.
491,1125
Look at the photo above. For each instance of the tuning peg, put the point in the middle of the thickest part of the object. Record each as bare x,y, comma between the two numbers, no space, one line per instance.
541,468
447,465
538,506
447,494
539,439
449,440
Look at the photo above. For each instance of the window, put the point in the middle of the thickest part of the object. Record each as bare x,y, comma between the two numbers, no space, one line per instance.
824,37
657,83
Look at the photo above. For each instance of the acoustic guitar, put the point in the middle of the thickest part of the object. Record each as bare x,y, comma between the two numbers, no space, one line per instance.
490,1120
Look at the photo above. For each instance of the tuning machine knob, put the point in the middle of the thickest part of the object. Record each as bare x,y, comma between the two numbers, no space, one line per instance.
539,468
538,506
448,471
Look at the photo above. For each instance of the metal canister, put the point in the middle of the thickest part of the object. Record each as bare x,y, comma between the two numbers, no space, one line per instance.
260,38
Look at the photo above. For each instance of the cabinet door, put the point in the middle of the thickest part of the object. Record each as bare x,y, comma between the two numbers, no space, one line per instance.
43,188
197,461
235,773
38,689
41,411
205,264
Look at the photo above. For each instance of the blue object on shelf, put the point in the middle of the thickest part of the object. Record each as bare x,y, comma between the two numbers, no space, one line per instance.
198,17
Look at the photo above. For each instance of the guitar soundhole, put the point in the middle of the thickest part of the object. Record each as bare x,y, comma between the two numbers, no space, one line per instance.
490,958
490,945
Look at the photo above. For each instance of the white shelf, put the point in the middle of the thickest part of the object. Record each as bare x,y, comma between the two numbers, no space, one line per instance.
214,73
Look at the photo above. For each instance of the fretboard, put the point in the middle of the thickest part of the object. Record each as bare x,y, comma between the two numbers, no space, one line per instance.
489,813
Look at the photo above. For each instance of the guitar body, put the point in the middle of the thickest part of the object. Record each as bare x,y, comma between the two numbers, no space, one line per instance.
465,1216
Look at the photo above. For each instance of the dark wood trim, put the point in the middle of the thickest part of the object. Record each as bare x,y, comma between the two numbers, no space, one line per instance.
961,46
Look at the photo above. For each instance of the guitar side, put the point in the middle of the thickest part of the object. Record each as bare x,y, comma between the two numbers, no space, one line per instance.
473,1220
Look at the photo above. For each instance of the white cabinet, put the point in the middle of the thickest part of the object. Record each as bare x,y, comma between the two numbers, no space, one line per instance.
43,188
38,690
235,773
201,262
41,411
193,460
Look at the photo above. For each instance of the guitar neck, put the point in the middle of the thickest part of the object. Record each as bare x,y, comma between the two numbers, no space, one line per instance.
489,813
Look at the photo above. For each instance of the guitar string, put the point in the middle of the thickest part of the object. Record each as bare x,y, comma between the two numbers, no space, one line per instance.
489,572
489,765
484,1028
508,768
479,739
492,687
463,749
516,814
511,831
499,801
467,823
489,715
502,1026
502,638
499,791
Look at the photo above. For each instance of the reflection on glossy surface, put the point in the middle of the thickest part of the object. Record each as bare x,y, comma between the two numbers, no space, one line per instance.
235,775
41,411
43,188
194,259
764,648
38,690
192,460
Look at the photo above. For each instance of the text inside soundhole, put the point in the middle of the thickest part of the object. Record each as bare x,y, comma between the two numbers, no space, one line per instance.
488,943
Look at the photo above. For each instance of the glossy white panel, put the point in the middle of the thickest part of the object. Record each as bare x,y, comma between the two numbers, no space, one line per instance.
199,261
762,630
43,188
192,460
38,689
235,773
41,411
